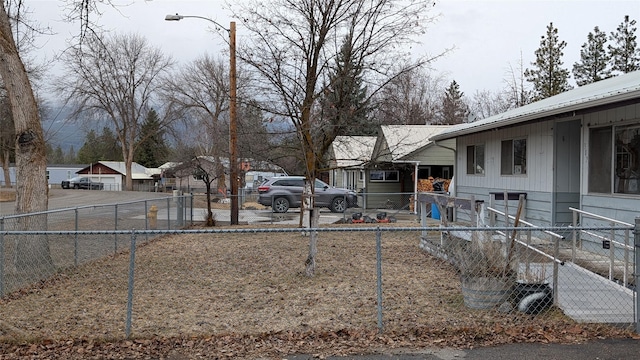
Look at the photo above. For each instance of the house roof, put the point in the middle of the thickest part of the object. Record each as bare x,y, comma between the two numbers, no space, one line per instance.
604,92
402,140
138,172
350,151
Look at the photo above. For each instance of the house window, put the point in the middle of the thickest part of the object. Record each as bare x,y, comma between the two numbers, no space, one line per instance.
627,159
513,157
384,176
600,160
614,160
475,159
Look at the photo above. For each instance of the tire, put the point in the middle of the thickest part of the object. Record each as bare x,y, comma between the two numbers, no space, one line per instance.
280,205
338,205
76,186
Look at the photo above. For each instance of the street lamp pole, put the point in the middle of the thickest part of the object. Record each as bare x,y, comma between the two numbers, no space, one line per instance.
233,124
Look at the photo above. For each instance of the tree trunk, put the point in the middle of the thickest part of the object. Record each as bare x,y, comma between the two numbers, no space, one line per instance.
31,181
129,179
314,215
210,220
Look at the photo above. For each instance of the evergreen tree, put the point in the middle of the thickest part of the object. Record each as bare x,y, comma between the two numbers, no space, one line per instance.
624,53
99,147
593,59
453,110
152,150
70,156
109,147
344,104
90,150
56,156
548,76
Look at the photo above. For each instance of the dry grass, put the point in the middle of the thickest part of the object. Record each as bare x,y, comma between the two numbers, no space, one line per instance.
246,294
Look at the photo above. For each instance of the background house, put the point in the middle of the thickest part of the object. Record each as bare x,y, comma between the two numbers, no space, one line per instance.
349,156
113,175
402,155
55,174
577,149
181,176
385,170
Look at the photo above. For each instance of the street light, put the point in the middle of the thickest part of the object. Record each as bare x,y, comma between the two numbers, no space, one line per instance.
233,125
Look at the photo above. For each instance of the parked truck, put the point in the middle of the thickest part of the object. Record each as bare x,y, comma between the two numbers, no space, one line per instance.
82,183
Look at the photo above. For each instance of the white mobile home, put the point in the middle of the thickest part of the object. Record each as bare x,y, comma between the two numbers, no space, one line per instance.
577,149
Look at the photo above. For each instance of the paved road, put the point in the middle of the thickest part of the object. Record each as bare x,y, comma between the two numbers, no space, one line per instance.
609,349
68,198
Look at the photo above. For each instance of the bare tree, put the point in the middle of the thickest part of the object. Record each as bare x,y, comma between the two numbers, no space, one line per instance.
516,90
412,98
32,254
116,78
292,48
485,103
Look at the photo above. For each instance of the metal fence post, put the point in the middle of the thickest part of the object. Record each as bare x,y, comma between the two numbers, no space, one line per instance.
556,269
146,220
379,276
1,258
132,262
191,209
75,241
636,271
574,237
168,214
612,249
115,234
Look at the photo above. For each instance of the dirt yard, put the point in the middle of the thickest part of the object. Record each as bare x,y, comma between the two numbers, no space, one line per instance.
245,296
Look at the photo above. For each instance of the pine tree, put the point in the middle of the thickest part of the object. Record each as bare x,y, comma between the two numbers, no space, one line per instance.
593,59
90,150
109,147
624,53
57,156
100,147
152,150
548,76
344,104
70,156
454,110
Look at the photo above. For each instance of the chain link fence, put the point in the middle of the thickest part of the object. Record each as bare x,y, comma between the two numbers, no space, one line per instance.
134,277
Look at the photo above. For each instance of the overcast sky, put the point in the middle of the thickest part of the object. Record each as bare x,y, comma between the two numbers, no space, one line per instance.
488,36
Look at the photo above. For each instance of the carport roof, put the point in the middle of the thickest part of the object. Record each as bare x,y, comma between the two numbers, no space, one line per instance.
402,140
604,92
351,151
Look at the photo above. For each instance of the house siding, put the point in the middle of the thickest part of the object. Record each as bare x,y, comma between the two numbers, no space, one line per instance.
435,155
539,159
538,183
623,207
379,194
536,209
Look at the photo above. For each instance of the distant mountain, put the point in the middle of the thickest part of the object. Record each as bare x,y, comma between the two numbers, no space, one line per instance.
60,130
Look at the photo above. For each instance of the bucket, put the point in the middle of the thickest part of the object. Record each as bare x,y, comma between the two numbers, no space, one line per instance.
435,213
485,292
